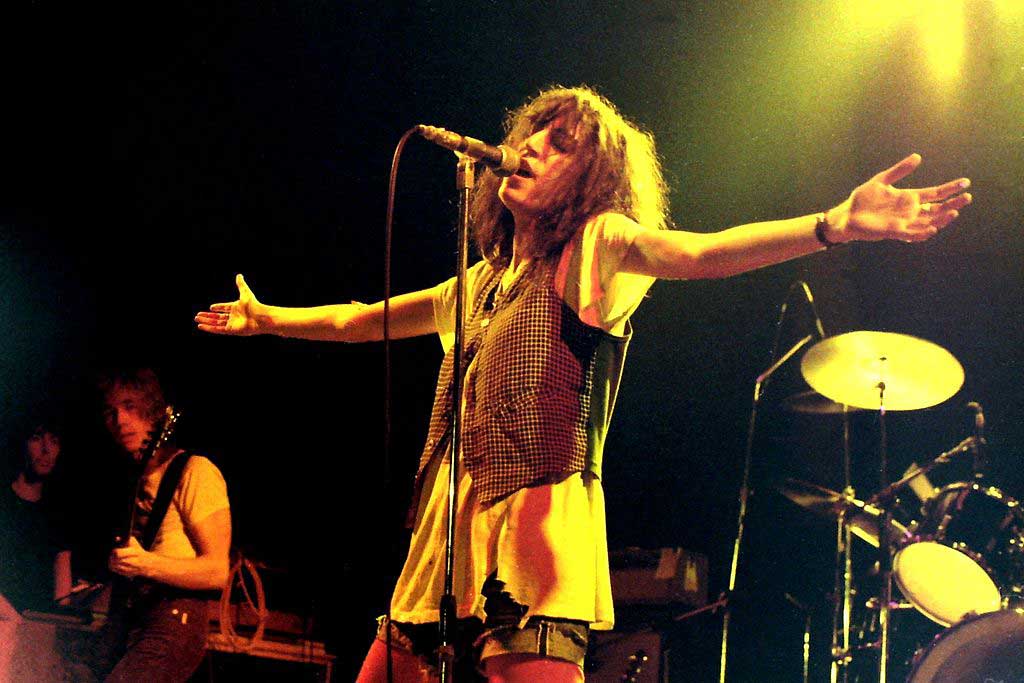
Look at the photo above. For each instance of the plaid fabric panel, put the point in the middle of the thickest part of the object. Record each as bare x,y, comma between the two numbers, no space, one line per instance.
529,398
439,431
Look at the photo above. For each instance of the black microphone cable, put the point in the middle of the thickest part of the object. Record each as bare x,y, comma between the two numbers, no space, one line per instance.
388,231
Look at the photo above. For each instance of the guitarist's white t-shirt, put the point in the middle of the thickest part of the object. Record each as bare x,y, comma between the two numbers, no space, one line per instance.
201,492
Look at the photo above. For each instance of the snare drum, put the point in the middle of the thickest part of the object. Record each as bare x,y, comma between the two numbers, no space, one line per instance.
966,555
987,647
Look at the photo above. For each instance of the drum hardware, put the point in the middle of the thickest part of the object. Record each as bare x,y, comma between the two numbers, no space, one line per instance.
980,447
889,492
966,555
806,649
920,485
872,603
862,517
885,372
879,371
725,598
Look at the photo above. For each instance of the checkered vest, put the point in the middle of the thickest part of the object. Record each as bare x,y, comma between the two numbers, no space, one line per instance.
540,397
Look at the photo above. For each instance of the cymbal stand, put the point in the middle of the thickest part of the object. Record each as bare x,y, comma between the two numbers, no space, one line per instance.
885,553
843,609
744,497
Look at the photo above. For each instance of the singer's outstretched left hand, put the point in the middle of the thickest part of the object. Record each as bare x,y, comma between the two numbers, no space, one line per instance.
876,210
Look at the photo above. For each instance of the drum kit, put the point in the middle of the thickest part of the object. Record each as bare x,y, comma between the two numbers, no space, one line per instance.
954,559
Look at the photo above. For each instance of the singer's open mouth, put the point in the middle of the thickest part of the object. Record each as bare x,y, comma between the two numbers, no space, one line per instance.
524,172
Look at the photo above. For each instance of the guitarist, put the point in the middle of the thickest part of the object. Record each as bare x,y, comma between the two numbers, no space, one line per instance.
173,559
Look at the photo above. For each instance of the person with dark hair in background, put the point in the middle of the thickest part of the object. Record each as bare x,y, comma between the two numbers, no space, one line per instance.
35,557
177,552
570,244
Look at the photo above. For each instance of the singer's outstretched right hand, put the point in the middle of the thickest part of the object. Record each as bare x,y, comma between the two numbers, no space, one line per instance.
239,317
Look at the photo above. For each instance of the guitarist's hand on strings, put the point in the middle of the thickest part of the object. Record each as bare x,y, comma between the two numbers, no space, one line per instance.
241,317
130,560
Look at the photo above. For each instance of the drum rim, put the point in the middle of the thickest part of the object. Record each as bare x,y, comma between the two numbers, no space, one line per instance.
990,491
921,656
1014,507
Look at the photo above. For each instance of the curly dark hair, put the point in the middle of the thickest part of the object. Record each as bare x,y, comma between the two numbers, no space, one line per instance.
617,170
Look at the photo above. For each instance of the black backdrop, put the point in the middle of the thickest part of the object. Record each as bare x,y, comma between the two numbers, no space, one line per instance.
153,152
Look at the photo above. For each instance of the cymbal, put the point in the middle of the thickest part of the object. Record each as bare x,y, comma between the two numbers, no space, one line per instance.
810,402
864,525
874,369
862,517
812,497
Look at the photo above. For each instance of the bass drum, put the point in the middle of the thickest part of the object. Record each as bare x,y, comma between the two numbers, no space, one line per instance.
988,647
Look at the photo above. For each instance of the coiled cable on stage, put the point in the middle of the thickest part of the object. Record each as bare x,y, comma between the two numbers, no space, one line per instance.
259,607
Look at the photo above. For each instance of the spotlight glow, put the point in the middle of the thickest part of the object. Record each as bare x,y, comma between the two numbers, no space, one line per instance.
942,29
936,28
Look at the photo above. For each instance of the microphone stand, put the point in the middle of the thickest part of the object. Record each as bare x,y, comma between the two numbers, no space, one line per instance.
980,454
743,498
465,178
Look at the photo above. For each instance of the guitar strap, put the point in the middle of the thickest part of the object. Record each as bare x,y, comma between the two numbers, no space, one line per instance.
168,485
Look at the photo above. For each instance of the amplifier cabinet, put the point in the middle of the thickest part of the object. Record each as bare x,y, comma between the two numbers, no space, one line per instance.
665,576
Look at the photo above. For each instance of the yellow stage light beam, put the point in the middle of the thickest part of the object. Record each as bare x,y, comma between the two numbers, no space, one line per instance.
942,33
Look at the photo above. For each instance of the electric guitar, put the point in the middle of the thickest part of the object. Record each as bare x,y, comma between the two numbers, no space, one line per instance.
127,590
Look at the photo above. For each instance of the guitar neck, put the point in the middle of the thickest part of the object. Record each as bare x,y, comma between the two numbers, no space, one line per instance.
156,441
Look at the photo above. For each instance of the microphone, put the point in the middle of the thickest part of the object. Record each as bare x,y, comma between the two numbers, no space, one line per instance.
980,463
501,159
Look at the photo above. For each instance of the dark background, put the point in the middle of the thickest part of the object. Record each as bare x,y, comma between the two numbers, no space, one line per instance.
153,152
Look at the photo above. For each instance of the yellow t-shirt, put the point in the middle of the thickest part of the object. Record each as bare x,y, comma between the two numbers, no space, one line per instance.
201,492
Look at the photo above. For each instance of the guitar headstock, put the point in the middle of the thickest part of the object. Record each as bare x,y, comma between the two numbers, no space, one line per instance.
157,440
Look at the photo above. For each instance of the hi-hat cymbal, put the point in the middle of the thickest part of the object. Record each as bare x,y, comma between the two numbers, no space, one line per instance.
862,517
815,498
875,369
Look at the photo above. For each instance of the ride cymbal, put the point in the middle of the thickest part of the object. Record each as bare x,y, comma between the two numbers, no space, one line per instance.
874,369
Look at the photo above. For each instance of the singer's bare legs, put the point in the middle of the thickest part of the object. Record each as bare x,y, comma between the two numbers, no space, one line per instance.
405,666
527,668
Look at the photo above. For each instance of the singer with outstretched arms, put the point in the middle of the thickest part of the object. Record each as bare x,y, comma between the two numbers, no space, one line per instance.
570,243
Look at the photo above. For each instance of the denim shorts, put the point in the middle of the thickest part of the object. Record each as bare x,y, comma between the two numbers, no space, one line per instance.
556,638
499,634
